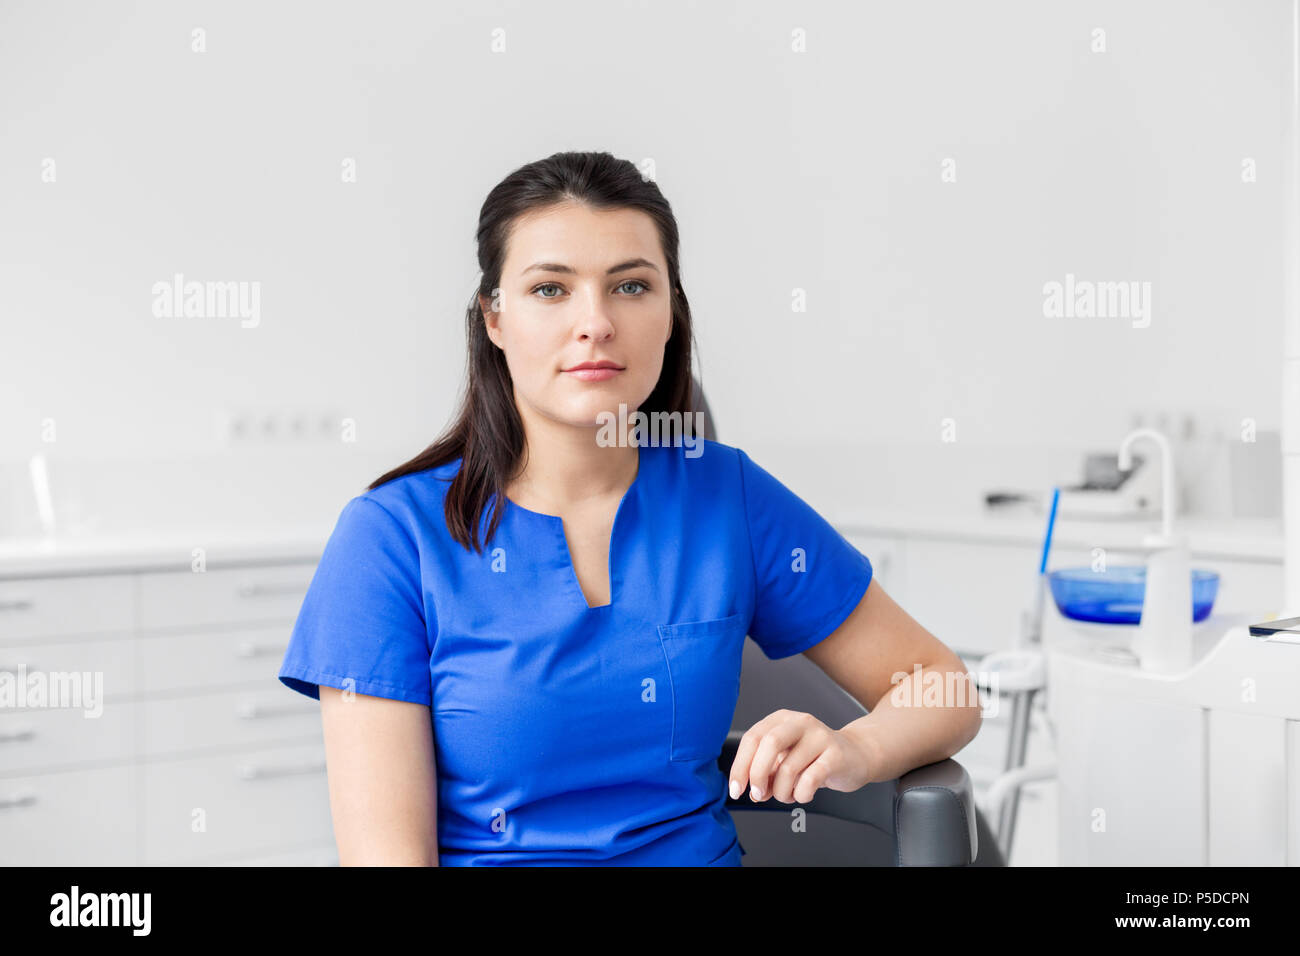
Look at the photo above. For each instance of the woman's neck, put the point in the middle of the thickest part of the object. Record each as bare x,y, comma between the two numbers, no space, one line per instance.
564,468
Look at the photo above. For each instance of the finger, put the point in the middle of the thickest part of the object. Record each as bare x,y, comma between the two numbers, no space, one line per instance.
809,747
812,779
739,774
764,764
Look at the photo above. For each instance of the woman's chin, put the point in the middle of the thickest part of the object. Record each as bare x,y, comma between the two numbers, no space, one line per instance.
595,413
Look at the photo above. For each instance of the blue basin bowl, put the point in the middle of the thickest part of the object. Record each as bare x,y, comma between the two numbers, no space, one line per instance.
1115,596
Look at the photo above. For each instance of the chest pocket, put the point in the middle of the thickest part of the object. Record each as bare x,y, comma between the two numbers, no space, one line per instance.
704,670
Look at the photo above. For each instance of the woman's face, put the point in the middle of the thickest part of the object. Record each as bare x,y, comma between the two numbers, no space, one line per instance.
582,285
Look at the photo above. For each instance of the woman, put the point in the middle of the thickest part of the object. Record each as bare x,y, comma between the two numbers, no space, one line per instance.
526,641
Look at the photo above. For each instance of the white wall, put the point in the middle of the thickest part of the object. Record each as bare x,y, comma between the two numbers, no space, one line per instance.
817,170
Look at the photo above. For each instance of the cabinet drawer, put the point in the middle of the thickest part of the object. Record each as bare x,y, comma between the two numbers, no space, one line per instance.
109,661
171,599
242,718
53,607
211,659
36,740
85,818
244,803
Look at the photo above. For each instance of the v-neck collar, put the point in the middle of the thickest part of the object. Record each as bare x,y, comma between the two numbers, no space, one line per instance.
628,509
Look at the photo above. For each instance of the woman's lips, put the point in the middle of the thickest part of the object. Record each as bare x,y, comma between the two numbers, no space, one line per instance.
594,374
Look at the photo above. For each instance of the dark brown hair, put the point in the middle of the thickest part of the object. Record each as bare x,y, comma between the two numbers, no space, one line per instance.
488,434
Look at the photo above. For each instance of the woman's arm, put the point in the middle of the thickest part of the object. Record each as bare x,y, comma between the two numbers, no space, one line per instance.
923,705
382,779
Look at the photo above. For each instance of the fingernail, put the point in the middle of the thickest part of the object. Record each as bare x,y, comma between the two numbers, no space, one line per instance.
755,793
735,789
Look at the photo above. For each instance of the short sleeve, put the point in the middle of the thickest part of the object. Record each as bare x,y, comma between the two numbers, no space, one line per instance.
808,577
362,624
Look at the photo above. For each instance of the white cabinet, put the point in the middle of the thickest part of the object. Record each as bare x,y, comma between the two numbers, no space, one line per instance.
231,718
175,742
193,659
82,818
222,807
38,739
36,608
171,599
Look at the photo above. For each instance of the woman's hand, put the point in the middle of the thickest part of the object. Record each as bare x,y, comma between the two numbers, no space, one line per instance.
791,755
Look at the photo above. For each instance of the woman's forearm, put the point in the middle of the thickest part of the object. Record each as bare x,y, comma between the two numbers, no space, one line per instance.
927,716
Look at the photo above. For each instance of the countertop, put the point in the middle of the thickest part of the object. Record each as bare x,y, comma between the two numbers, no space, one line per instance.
157,551
1238,539
1247,539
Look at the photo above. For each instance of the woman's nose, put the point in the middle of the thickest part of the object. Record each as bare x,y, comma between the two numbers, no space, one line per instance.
595,321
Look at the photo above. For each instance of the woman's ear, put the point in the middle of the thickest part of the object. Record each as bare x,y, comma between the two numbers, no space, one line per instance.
490,320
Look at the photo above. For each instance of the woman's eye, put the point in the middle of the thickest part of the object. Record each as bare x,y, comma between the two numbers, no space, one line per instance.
551,285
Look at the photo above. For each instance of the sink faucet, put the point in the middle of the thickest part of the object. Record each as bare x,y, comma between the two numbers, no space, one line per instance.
1164,638
1167,483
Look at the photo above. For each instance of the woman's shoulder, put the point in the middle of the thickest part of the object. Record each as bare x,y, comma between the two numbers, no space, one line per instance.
706,457
729,470
707,468
414,500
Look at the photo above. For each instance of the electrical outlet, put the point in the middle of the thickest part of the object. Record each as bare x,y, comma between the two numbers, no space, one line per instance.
276,426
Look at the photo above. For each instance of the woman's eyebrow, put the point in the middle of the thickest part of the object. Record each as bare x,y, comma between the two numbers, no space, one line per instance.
621,267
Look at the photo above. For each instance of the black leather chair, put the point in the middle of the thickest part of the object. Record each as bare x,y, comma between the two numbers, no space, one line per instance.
927,817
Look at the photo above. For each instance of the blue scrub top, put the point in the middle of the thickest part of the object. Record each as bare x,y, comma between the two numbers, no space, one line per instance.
567,734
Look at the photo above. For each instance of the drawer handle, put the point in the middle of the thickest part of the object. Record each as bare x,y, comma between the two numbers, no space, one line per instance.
13,736
252,711
269,590
17,800
254,772
265,649
21,604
